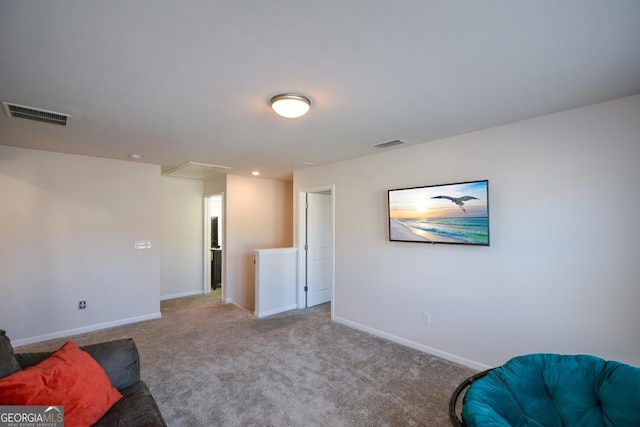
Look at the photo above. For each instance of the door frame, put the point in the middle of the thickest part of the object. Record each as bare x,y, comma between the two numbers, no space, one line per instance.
206,268
302,234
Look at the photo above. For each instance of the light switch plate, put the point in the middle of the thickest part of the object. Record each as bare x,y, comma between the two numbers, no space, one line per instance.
142,244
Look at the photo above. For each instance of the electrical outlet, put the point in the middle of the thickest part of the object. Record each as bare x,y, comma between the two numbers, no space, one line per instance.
426,318
82,305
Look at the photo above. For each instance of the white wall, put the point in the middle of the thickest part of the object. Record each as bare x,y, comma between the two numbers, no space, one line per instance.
562,272
67,230
257,216
182,229
215,185
276,281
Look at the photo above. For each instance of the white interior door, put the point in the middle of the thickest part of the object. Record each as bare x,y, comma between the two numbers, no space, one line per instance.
319,247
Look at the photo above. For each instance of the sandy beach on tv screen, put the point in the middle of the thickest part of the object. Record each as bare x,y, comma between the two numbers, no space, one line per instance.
399,231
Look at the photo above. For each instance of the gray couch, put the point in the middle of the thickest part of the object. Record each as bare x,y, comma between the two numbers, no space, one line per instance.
121,362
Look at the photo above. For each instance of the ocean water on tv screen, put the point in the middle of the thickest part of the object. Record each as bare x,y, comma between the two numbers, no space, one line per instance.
464,229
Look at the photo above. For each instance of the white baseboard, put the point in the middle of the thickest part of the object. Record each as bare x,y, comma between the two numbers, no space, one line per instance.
181,295
274,311
84,329
417,346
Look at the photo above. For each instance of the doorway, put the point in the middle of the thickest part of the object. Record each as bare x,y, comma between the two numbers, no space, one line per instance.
213,245
316,239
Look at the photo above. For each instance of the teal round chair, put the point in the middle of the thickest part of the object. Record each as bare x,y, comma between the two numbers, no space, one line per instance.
550,390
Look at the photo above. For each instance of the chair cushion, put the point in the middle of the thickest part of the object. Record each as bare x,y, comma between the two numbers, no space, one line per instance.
69,378
8,362
119,359
551,389
137,408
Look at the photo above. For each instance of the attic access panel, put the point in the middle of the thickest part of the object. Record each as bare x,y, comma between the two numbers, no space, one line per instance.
195,170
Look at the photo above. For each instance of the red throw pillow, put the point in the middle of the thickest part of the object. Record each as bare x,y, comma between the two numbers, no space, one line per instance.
71,378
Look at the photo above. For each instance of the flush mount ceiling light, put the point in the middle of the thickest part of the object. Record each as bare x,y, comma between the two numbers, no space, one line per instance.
290,105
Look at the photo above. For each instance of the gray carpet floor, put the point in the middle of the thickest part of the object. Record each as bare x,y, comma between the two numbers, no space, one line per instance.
212,364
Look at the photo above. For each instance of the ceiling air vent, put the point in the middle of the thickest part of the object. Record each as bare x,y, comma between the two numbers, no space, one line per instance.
36,114
389,143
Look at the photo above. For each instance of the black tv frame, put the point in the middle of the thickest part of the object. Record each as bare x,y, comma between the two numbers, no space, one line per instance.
455,213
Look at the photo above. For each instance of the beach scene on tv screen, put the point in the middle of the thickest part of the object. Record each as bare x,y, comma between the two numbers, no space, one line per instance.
454,213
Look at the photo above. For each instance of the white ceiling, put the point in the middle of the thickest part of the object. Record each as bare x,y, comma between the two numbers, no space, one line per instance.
179,81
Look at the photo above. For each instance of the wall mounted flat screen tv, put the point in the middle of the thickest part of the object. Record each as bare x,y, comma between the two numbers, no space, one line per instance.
449,213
